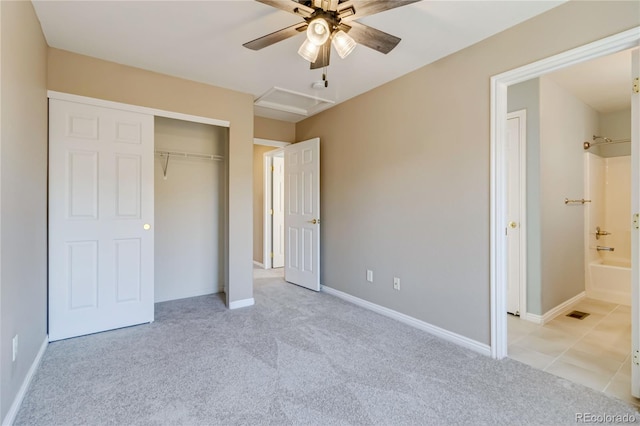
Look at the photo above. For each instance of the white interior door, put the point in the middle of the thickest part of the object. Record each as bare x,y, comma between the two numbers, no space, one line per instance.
302,213
635,239
516,192
278,212
100,216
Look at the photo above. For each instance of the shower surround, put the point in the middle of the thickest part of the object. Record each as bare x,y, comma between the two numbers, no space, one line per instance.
608,186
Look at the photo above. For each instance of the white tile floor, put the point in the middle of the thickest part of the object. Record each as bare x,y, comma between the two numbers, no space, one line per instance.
594,351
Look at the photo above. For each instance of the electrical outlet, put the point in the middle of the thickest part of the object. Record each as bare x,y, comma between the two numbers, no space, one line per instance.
369,275
15,347
396,283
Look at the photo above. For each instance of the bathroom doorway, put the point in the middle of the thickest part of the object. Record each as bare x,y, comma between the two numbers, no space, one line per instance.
577,321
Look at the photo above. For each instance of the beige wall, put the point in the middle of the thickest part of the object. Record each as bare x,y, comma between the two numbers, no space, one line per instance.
23,194
406,179
275,130
565,122
72,73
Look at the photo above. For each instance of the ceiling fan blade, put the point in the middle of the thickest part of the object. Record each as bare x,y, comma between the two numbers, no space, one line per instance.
275,37
372,38
290,6
323,56
364,8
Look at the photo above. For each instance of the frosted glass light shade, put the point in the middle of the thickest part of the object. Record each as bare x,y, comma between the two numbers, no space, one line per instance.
309,51
343,43
318,31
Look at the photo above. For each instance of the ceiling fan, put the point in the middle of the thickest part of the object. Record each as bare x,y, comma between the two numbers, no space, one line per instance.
328,22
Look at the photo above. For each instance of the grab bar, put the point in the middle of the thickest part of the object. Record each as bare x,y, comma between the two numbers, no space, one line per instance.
602,248
581,201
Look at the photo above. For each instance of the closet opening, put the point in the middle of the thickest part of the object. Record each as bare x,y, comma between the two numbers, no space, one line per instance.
191,209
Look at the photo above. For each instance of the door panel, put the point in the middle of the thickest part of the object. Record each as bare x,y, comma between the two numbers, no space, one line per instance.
128,186
127,270
82,274
514,200
100,197
302,215
83,185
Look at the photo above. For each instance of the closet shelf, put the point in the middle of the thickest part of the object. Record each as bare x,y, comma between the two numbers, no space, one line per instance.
163,153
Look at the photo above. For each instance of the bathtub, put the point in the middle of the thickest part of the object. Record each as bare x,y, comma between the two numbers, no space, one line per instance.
610,280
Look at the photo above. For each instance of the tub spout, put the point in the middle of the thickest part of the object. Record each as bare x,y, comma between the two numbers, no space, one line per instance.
602,248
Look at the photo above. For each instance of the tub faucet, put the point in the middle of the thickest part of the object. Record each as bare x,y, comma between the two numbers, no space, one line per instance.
602,248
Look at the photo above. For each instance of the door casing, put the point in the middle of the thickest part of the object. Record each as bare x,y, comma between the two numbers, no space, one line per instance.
267,231
498,138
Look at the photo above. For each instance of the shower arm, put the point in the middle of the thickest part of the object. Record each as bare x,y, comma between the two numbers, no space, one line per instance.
604,141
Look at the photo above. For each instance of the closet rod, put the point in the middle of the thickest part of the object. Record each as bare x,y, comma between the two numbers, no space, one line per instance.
189,155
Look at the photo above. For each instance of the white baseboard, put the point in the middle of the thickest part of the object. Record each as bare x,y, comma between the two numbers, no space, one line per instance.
414,322
17,402
537,319
236,304
551,314
261,265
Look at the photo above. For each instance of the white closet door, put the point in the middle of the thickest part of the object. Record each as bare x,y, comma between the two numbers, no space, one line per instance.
100,217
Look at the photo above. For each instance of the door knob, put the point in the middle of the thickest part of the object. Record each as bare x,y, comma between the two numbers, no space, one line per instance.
146,227
513,225
314,221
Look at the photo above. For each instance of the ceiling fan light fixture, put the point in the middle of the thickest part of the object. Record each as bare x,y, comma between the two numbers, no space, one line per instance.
309,51
343,43
318,31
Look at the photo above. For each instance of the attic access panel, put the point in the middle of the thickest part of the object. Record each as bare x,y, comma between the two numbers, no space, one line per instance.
293,102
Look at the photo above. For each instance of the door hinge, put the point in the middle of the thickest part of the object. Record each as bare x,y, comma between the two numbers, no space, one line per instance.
273,169
636,357
271,211
636,85
271,254
636,221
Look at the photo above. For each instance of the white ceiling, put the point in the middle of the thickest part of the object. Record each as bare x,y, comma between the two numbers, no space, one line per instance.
202,41
602,83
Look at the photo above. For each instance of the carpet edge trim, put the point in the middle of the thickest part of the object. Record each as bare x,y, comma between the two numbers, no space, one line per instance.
447,335
17,401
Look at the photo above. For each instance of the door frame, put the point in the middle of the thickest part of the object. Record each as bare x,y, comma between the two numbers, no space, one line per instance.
498,194
267,229
522,210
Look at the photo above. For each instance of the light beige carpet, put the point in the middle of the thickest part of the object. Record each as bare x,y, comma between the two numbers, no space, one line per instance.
295,358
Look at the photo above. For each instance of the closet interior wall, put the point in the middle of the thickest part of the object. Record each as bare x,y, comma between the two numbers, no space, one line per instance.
190,206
